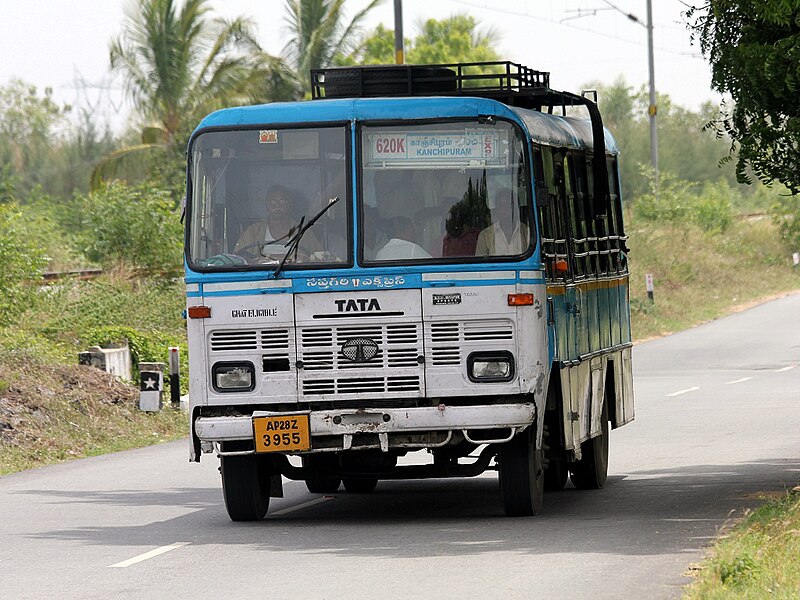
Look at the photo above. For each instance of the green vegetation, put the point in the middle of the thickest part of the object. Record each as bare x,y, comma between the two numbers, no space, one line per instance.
51,409
454,39
757,558
134,225
753,51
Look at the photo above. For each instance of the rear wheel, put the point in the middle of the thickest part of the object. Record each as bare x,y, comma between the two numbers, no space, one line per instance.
591,471
360,486
322,463
245,487
521,475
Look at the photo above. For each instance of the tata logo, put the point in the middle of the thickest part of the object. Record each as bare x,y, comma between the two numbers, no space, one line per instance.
359,350
357,305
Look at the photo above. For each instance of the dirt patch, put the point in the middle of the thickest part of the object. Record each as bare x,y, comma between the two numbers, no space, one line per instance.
52,412
28,392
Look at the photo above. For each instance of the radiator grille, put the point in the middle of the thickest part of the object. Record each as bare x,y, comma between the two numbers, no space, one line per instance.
272,343
361,385
450,339
396,366
399,346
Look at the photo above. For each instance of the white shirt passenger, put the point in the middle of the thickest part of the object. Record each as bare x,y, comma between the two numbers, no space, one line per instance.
397,249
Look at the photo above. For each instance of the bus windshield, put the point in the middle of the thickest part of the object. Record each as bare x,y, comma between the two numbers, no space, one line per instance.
252,190
443,191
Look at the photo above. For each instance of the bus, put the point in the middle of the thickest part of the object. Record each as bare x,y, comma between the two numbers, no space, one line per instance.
419,258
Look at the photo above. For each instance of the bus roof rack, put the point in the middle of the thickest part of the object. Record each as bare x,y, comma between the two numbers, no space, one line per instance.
508,82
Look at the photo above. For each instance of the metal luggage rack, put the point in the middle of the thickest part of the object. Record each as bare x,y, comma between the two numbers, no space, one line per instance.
502,80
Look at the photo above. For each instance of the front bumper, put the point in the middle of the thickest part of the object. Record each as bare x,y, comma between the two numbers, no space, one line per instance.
391,427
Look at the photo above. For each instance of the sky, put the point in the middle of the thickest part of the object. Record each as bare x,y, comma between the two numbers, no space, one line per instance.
63,44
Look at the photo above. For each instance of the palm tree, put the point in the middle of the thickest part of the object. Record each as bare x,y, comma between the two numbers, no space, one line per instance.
180,64
319,36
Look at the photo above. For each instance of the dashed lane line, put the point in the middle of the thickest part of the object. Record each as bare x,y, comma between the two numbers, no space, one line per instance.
681,392
303,505
742,380
148,555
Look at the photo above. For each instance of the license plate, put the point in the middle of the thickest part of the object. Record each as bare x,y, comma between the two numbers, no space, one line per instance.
282,433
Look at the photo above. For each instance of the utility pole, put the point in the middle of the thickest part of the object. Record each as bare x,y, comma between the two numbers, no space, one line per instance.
652,109
398,32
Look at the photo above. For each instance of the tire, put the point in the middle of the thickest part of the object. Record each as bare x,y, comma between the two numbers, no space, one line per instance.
591,471
322,462
245,487
521,475
360,486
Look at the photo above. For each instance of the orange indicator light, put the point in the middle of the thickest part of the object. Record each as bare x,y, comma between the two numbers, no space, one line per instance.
520,299
199,312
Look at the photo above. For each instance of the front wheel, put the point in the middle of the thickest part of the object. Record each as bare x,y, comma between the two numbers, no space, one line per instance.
591,471
521,475
245,487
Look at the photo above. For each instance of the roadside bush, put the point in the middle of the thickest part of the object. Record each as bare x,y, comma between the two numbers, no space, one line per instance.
786,215
21,264
138,226
667,201
711,210
673,201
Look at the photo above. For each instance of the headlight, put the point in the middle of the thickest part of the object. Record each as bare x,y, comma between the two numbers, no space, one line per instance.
234,377
490,367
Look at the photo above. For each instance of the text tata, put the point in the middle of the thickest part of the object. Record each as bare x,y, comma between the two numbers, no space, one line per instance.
357,305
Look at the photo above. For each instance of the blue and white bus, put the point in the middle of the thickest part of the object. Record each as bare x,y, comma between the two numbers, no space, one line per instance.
419,258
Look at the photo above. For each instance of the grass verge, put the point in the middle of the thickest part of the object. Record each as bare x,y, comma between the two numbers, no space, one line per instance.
757,559
700,276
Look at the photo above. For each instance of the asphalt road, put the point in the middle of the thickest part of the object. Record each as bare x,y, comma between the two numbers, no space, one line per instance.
718,423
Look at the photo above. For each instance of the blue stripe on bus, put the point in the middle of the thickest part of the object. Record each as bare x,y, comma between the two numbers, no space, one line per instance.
299,287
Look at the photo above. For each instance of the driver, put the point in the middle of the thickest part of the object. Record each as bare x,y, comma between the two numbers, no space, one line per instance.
268,238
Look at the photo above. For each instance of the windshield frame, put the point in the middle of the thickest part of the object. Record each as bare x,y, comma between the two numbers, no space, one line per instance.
342,125
518,130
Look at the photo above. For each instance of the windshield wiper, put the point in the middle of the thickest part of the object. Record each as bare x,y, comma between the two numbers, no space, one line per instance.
294,243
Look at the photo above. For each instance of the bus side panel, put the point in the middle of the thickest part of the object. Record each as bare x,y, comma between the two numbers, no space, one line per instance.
627,390
198,389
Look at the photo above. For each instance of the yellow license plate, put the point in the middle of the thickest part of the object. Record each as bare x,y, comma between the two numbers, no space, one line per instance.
284,433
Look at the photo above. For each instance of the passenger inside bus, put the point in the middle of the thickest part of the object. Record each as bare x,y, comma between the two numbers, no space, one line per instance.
401,246
267,239
507,235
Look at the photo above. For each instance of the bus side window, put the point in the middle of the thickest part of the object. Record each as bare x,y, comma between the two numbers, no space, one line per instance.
600,227
576,200
554,179
617,243
544,211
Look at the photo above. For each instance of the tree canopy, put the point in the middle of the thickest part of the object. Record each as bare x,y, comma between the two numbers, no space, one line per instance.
178,64
455,39
754,50
319,35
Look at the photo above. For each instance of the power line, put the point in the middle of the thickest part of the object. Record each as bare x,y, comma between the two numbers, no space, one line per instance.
527,15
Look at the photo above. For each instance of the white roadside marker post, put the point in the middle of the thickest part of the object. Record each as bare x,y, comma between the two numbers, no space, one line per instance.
151,376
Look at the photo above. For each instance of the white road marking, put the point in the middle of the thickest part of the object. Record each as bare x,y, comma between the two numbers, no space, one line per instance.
742,380
151,554
789,368
679,392
303,505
